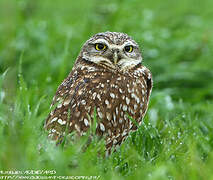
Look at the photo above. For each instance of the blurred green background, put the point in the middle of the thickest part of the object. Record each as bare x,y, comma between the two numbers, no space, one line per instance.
39,42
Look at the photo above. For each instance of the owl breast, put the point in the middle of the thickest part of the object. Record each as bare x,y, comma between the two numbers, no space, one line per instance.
115,97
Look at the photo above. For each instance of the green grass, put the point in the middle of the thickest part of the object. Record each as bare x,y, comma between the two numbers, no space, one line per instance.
38,45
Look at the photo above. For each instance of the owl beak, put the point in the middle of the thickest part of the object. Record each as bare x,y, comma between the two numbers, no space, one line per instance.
115,57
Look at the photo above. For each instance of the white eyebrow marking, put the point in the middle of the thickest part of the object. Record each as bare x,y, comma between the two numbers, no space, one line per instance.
129,43
114,46
101,41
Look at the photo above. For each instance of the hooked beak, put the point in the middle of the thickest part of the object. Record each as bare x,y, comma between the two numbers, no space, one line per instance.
115,57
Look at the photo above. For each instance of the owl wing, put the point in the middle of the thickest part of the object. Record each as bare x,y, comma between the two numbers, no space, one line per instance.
65,94
145,77
149,82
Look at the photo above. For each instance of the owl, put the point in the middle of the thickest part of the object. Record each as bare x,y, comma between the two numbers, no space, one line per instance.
109,80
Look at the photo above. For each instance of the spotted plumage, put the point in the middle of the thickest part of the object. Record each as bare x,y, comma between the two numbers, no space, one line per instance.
107,76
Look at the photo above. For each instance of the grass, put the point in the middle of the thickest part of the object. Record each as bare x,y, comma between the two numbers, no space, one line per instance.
38,45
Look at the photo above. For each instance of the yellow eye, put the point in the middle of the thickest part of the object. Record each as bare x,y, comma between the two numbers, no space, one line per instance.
100,46
128,49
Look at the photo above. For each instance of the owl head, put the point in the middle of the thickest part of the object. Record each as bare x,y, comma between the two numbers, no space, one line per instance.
113,50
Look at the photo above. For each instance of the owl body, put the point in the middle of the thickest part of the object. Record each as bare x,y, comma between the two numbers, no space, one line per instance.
116,87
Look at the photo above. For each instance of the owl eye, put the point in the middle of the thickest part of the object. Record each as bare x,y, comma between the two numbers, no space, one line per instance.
128,48
100,46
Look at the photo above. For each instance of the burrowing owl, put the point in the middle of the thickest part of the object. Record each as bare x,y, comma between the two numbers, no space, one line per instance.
107,76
